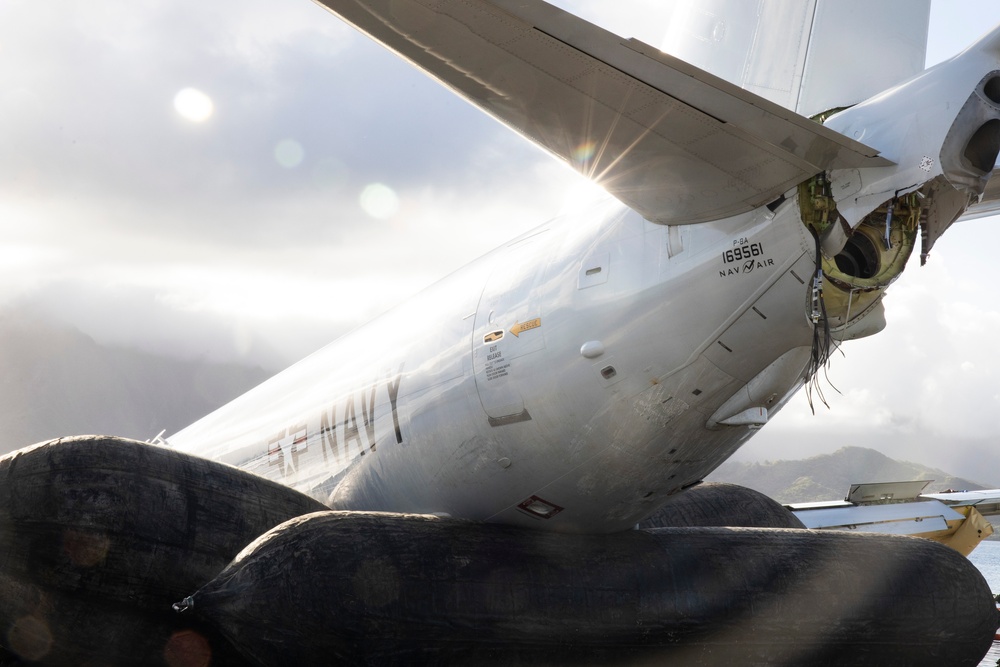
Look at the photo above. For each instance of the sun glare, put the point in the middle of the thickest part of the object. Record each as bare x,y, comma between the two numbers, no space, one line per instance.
583,153
193,105
581,194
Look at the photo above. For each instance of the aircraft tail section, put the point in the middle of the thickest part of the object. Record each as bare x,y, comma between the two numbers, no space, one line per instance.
794,52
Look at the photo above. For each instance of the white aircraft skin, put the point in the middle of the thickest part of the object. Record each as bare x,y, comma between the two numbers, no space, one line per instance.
577,377
472,427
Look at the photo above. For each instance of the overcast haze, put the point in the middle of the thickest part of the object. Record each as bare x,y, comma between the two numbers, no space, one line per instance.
312,180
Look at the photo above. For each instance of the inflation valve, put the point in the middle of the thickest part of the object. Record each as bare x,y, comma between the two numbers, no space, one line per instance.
187,604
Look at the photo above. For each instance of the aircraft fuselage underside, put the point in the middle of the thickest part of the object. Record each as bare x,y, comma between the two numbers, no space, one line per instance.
575,393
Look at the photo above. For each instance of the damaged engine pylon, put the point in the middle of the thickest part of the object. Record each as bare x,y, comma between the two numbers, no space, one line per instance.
866,224
387,589
98,535
859,264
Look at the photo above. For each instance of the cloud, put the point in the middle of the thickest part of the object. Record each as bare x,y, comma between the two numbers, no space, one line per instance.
256,213
925,388
95,119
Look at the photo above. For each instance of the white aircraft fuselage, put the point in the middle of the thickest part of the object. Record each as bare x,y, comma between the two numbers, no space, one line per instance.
580,375
587,384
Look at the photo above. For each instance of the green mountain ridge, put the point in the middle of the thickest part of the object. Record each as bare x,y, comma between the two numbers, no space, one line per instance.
829,476
56,381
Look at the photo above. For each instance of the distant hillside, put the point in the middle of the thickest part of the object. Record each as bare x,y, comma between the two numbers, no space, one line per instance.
828,477
56,381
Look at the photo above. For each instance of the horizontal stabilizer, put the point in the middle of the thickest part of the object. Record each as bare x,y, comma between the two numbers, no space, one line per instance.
899,519
672,141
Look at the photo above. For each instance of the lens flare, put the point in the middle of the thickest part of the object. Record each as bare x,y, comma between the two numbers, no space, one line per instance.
193,105
30,638
379,201
584,152
187,648
289,153
85,549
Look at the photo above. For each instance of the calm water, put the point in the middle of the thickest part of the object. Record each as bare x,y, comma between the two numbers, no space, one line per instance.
987,558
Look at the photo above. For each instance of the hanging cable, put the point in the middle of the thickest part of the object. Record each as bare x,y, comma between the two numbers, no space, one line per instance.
820,356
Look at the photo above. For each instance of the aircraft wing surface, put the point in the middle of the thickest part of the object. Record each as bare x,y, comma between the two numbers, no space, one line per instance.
672,141
954,518
986,501
989,204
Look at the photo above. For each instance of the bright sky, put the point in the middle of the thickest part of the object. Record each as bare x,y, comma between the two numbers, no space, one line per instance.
249,179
